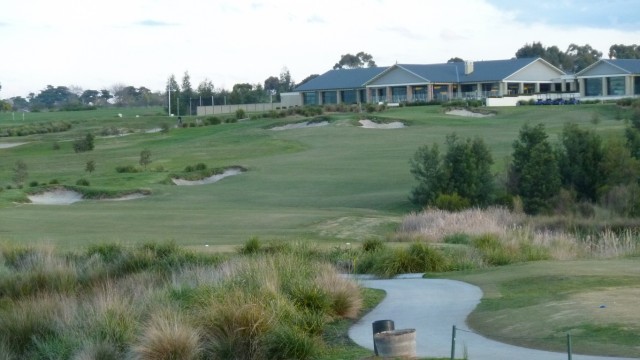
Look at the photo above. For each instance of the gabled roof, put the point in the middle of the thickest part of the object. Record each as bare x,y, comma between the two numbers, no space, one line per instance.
629,66
483,71
341,79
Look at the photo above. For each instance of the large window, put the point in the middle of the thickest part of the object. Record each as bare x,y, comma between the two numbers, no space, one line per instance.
309,98
349,97
593,87
329,97
363,95
441,92
615,85
398,94
420,93
636,85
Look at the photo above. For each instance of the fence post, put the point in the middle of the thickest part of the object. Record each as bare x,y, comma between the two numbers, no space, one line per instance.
569,346
453,343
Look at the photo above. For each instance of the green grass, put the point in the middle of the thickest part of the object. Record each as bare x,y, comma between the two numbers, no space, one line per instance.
538,304
300,184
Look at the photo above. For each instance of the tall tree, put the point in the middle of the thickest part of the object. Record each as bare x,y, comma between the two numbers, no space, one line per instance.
620,51
454,60
286,83
582,56
533,172
580,159
358,60
427,168
186,95
467,166
173,91
206,89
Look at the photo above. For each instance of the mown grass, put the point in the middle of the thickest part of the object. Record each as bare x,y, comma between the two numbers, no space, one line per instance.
299,183
537,304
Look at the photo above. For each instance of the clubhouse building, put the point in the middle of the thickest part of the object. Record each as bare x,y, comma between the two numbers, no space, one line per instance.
498,82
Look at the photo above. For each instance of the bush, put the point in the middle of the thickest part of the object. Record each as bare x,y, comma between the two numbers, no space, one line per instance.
167,337
451,202
240,114
251,246
213,120
33,183
126,169
84,144
493,251
82,182
370,245
200,167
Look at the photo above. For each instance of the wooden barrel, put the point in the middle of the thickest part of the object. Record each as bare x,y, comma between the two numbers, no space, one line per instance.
396,343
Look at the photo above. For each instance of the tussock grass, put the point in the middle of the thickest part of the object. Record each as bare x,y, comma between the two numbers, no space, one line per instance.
168,337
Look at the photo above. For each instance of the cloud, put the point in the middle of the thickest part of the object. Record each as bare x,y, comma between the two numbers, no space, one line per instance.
153,23
403,32
450,35
315,19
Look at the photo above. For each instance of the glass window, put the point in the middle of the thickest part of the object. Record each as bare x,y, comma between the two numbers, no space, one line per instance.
329,97
309,98
615,85
593,87
363,95
349,97
419,93
636,85
441,92
398,94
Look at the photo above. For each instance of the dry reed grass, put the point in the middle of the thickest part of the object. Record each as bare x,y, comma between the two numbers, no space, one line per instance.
167,336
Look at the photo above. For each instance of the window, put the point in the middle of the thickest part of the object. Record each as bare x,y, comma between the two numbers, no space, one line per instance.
615,85
329,97
636,85
349,97
593,87
309,98
420,93
398,94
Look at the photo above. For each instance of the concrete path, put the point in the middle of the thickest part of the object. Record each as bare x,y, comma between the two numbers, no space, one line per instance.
432,307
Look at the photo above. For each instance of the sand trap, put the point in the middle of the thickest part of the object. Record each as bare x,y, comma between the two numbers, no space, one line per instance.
302,125
467,113
368,124
68,197
209,180
56,197
10,145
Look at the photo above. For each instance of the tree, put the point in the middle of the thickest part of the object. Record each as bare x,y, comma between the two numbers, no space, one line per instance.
308,78
186,95
20,173
467,166
89,97
462,173
426,167
582,56
358,60
173,90
272,83
206,89
90,166
84,144
145,158
454,60
580,160
533,173
285,83
620,51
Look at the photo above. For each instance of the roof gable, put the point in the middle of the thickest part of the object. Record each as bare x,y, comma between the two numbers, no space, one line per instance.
538,70
396,75
612,67
341,79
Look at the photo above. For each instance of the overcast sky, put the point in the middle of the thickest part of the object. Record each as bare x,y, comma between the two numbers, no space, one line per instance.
96,44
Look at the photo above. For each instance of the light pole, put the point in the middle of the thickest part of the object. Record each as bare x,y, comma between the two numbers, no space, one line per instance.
169,92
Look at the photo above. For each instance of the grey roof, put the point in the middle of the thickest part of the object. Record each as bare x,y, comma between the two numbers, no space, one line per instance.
630,65
483,71
341,79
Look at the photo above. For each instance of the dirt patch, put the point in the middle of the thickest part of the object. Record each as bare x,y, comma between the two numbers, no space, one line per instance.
208,180
10,145
357,228
368,124
467,113
301,125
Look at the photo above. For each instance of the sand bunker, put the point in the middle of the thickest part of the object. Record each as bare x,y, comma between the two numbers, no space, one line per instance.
68,197
10,145
467,113
210,179
368,124
56,197
301,125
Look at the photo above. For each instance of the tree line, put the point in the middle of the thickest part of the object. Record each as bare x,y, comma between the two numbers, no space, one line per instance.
578,171
186,98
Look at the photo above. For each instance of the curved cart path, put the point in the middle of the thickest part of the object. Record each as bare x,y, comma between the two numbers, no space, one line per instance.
432,307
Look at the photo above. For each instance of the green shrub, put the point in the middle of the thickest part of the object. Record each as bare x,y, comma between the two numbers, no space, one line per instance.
372,244
231,120
459,238
54,182
493,251
213,120
286,342
200,167
33,183
126,169
251,246
451,202
82,182
240,114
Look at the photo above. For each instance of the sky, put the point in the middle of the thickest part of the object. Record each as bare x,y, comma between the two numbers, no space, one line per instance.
96,45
